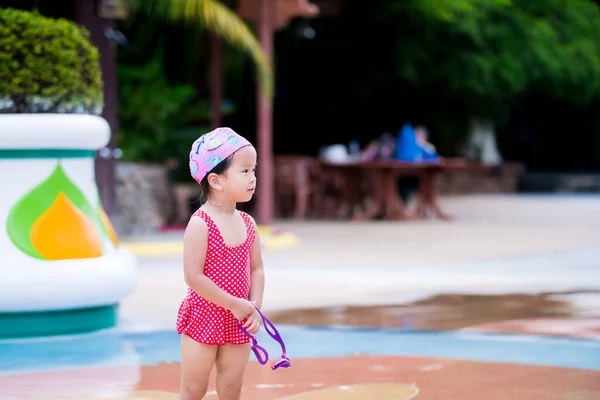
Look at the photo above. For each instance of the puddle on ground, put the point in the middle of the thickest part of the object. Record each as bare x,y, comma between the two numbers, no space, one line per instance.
444,311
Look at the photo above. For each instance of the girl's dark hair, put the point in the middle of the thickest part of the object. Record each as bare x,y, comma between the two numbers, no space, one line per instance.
219,169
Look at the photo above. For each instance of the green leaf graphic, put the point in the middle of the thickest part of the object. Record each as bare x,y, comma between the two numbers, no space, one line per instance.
31,206
99,216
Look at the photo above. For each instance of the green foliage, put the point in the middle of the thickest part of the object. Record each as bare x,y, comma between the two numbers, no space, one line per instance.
453,10
486,53
160,113
218,18
150,107
47,66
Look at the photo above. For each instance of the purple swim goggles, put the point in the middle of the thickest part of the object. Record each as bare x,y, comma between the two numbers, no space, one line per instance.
260,352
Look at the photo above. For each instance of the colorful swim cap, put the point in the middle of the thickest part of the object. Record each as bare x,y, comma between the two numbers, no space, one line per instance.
212,148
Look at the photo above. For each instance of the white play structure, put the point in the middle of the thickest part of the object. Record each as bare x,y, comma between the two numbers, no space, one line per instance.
62,268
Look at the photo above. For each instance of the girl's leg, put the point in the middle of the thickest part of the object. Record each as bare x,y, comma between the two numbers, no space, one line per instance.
197,360
231,364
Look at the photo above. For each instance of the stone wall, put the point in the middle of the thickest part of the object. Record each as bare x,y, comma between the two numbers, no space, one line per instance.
504,179
546,182
147,200
144,198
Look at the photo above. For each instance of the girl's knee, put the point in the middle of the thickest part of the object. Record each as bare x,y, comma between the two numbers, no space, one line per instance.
229,386
193,391
233,380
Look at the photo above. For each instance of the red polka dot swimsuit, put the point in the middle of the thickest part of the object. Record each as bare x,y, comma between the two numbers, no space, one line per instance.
229,268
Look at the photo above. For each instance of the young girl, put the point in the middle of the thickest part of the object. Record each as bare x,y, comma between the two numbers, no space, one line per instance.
222,266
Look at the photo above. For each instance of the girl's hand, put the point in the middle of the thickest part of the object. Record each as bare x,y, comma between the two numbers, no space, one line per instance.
252,323
242,309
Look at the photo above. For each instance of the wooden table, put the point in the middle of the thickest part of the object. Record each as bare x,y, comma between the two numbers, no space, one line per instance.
384,176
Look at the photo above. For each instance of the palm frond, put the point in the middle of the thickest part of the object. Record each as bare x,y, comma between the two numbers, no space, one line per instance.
219,19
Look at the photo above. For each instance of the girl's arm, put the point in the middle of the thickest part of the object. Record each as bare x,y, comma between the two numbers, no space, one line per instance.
257,273
195,244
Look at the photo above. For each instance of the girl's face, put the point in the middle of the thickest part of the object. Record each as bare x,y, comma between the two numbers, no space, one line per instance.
239,181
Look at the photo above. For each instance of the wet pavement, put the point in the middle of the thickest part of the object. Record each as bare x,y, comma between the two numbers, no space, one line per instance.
381,378
502,303
399,378
440,312
467,365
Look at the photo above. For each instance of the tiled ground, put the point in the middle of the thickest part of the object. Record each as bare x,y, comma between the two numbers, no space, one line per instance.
539,255
365,377
327,361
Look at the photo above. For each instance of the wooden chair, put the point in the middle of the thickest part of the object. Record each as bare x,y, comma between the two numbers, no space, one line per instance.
297,186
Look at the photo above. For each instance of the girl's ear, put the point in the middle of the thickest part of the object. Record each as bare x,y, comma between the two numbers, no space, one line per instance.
214,181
